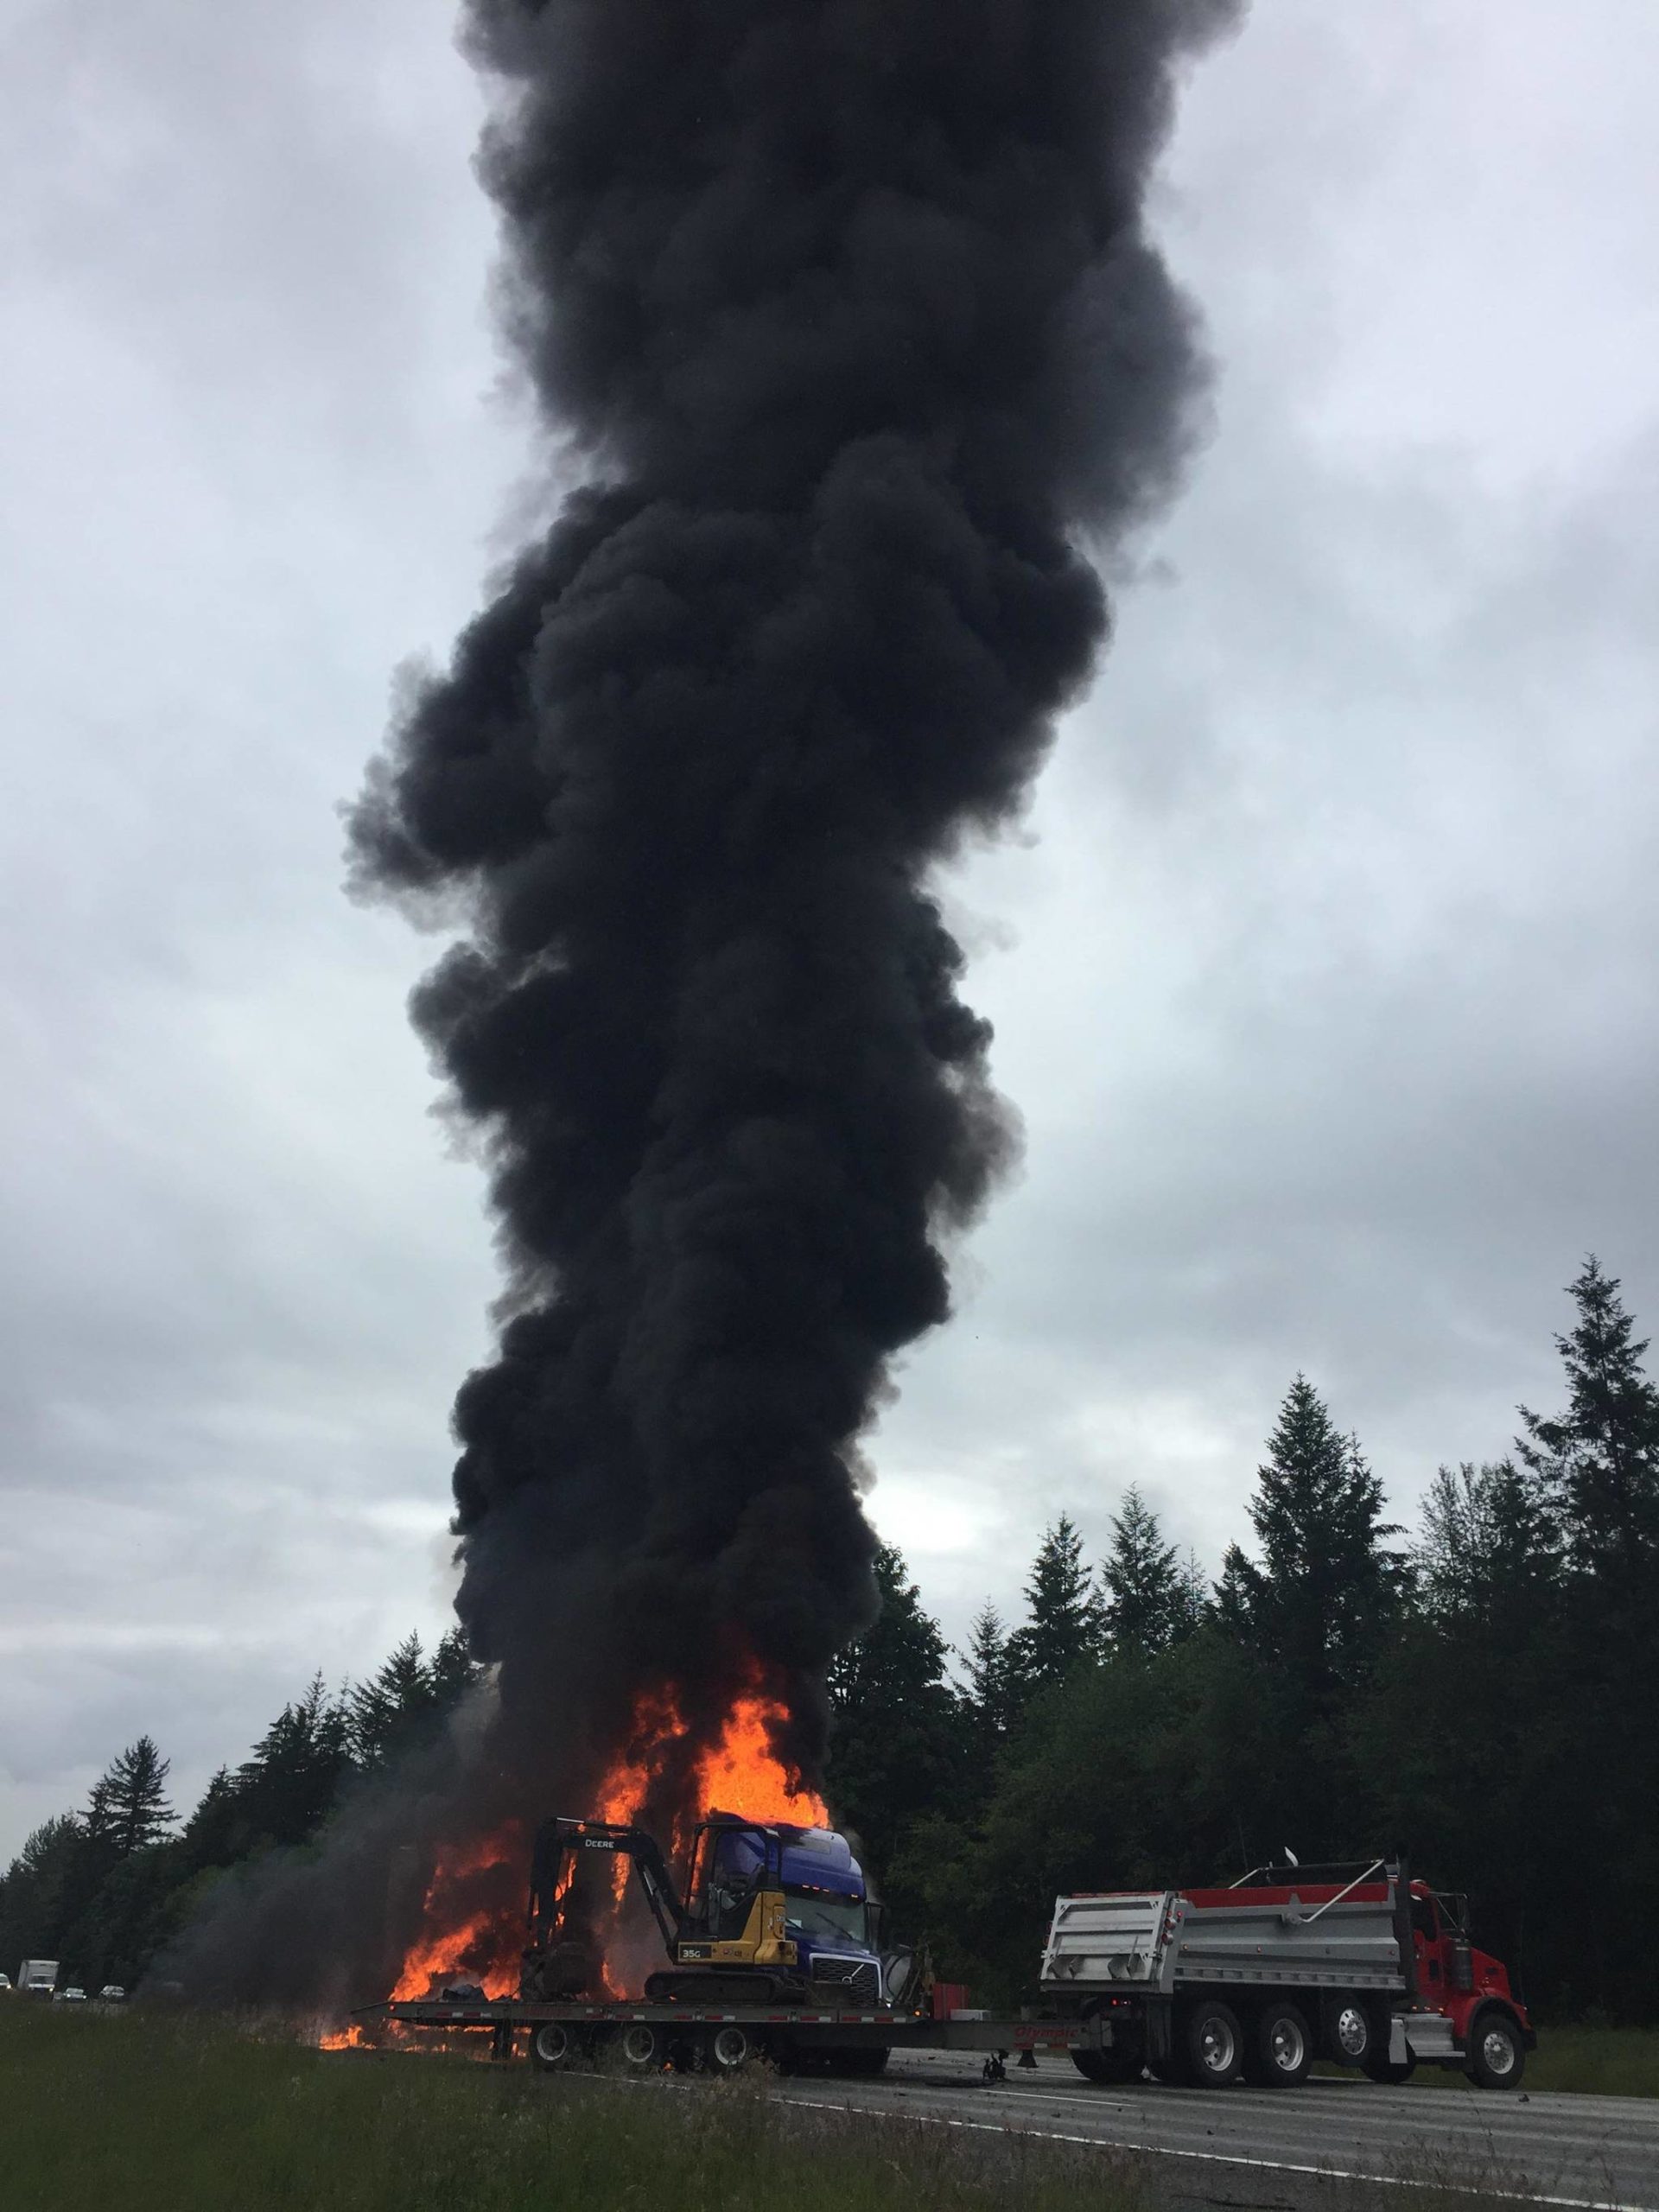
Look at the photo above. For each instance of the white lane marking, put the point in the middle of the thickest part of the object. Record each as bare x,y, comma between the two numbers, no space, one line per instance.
1220,2158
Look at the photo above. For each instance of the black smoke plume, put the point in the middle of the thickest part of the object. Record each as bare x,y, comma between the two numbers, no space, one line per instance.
843,315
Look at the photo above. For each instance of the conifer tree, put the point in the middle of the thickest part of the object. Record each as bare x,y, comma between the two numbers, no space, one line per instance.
990,1687
1488,1546
1063,1629
896,1739
1146,1591
130,1801
1599,1461
216,1833
391,1706
1323,1599
454,1670
290,1783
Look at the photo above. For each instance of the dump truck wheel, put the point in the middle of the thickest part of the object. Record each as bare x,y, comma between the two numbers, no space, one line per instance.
550,2047
1278,2050
1350,2036
1498,2056
1210,2044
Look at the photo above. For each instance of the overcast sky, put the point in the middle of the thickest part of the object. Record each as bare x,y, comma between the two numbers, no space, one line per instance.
1323,973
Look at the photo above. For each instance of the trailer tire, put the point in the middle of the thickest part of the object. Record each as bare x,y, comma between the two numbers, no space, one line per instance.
1278,2049
1497,2056
551,2046
1106,2067
1210,2045
729,2050
641,2046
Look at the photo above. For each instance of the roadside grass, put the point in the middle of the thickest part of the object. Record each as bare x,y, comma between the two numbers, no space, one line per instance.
158,2113
1585,2061
1597,2062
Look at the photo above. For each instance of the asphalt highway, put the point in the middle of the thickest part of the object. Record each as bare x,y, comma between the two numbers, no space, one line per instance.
1281,2148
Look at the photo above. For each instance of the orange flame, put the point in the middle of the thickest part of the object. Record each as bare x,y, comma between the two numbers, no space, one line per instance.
458,1934
742,1774
739,1772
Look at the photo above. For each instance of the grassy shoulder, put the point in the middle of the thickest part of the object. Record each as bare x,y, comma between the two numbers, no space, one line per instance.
158,2113
1586,2062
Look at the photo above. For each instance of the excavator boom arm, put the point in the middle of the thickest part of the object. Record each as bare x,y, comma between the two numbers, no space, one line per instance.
561,1841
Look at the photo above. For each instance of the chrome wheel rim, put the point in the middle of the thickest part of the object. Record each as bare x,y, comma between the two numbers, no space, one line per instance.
639,2044
731,2049
1216,2047
1353,2031
1497,2048
1288,2045
552,2044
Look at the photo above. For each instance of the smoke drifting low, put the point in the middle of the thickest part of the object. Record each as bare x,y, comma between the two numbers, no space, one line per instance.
844,317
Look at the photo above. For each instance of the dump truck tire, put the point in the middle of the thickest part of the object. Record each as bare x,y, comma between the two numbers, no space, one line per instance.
1351,2035
1278,2047
1106,2067
1498,2056
1210,2045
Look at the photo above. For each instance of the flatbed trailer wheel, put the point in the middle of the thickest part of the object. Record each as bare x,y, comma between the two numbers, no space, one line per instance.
1498,2058
551,2046
729,2050
1210,2045
641,2046
1279,2049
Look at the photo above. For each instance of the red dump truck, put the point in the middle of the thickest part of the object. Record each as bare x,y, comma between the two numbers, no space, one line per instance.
1359,1965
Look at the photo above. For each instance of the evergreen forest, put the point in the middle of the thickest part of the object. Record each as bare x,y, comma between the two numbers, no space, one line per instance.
1470,1691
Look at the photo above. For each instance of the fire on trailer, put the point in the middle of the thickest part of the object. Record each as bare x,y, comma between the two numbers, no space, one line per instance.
1362,1965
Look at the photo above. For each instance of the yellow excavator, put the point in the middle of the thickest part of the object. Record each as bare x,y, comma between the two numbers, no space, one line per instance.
772,1913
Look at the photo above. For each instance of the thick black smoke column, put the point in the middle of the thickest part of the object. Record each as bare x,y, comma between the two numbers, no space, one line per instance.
845,312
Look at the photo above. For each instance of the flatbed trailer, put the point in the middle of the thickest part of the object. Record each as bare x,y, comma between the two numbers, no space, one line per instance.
646,2037
1360,1966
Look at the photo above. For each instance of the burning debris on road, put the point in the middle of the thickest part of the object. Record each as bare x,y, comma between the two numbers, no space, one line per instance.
845,317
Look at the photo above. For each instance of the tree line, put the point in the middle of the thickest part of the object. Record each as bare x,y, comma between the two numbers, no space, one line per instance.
105,1889
1476,1695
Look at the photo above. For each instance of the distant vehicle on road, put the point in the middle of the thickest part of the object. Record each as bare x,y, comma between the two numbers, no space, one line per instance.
70,1996
5,1981
112,1994
37,1977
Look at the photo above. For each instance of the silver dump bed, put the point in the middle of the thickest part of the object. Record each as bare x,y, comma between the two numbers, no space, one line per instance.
1145,1940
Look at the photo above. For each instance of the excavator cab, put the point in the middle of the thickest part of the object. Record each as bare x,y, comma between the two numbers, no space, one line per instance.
732,1868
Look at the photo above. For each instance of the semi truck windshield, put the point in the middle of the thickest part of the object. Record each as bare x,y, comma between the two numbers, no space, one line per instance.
819,1912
